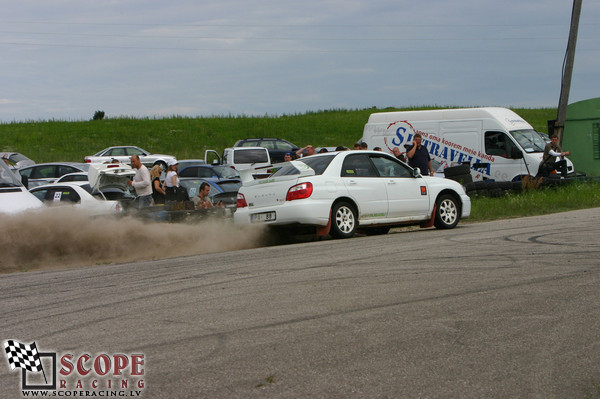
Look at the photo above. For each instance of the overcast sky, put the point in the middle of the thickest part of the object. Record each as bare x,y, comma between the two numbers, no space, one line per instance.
65,59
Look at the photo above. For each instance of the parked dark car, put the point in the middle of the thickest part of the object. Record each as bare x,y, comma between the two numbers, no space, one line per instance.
216,171
277,147
220,190
46,173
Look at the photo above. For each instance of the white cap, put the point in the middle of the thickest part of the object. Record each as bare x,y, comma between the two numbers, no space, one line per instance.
172,162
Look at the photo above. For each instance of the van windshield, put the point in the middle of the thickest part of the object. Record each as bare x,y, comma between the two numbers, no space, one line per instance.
530,140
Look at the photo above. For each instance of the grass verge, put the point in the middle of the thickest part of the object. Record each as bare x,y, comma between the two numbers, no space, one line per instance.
579,195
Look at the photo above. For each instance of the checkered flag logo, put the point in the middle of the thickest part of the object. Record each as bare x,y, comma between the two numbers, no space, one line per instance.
22,356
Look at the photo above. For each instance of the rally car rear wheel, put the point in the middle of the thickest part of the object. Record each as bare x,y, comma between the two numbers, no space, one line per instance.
344,221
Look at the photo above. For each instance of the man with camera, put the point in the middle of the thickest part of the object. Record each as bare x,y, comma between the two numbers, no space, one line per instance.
418,156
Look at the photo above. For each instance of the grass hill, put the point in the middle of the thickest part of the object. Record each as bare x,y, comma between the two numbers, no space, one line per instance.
187,137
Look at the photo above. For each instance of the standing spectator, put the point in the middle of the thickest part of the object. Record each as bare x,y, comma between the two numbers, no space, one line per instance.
418,156
377,149
171,182
356,146
341,148
398,154
141,182
364,146
552,151
158,194
306,151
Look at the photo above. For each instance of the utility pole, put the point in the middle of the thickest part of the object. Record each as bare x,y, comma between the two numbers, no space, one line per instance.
565,87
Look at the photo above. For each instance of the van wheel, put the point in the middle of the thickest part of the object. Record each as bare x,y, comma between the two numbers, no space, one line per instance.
344,221
447,212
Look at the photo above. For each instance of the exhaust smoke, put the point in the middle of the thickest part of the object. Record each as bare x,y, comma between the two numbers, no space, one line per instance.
55,238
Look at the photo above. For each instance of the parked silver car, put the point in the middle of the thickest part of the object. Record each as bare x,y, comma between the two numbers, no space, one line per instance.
123,154
16,160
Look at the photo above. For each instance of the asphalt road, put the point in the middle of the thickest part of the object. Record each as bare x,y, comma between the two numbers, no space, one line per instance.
507,309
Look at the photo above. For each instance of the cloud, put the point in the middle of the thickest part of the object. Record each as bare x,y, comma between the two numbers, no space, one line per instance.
145,58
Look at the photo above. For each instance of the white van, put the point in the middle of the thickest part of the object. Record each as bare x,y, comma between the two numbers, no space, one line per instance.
496,142
14,197
251,162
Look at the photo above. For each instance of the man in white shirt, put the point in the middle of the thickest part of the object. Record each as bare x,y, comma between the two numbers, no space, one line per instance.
141,182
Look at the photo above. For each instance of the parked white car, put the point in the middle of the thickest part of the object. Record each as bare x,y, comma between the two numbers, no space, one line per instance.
76,177
14,197
79,196
349,190
123,154
90,195
240,158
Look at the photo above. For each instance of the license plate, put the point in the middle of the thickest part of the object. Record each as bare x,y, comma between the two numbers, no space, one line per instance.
262,217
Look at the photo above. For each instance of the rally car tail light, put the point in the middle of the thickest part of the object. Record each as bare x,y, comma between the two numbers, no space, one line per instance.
241,201
299,191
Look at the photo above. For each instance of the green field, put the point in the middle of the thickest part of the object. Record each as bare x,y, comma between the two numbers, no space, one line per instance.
186,137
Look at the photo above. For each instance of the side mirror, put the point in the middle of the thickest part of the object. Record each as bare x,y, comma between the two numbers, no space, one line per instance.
516,154
417,172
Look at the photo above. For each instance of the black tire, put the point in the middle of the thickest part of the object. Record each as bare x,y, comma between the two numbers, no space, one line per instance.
457,171
470,187
447,212
462,179
343,220
505,185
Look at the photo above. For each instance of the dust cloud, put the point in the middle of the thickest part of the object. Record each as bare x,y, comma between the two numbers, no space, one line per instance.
55,238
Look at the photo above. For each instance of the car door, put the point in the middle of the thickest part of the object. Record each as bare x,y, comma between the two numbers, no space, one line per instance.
44,172
119,153
144,157
408,196
63,194
365,186
65,169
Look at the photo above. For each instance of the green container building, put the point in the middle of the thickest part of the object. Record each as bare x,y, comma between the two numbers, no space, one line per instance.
582,135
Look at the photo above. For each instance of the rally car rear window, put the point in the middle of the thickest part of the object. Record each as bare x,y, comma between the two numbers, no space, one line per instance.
318,164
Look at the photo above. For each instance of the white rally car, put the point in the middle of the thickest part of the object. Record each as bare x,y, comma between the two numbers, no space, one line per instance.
344,191
89,195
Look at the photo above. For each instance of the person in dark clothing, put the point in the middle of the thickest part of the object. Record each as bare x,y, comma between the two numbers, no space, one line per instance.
398,154
418,156
158,194
552,151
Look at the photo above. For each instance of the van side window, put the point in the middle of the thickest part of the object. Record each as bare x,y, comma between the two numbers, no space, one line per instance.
499,144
